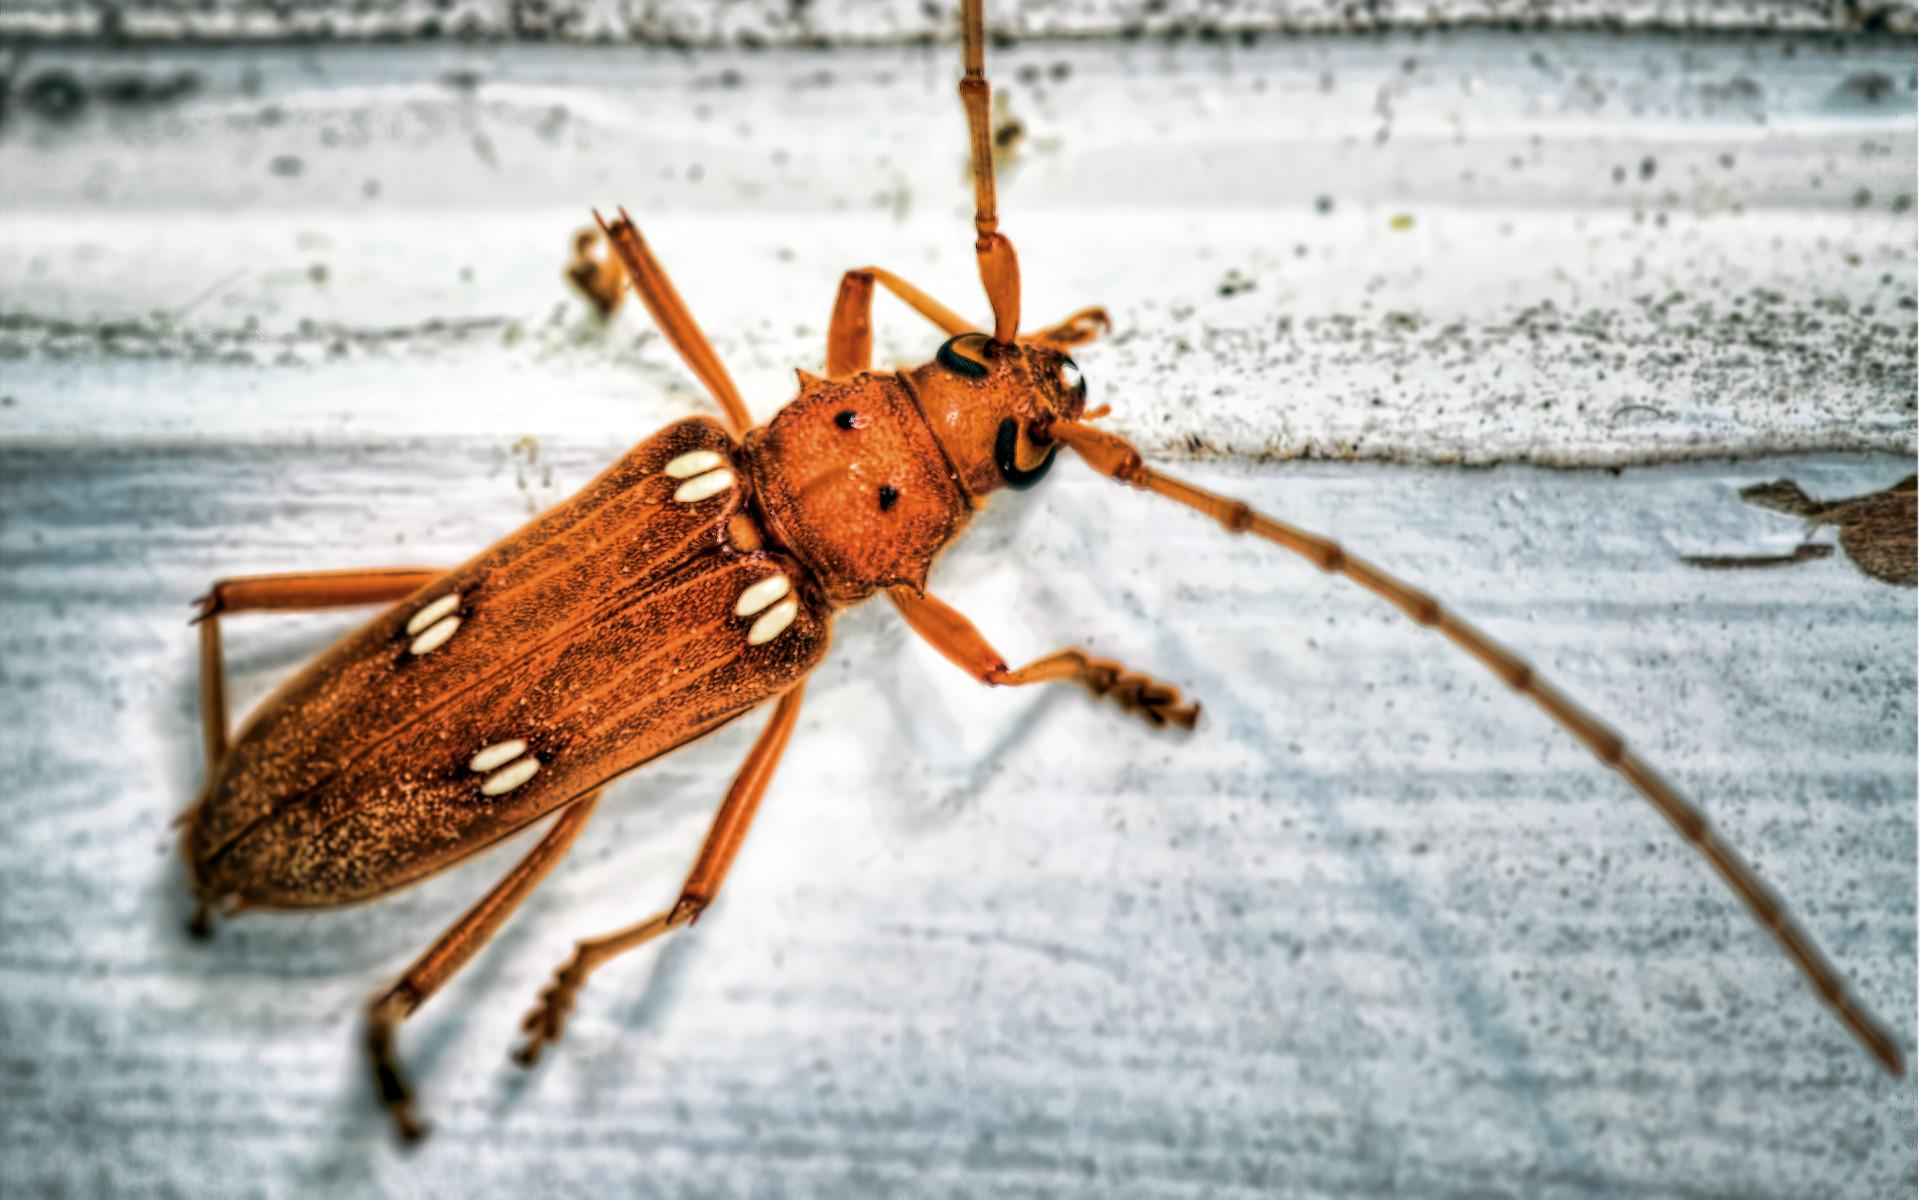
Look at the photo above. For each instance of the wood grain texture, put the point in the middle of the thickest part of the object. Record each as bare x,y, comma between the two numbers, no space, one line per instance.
1373,928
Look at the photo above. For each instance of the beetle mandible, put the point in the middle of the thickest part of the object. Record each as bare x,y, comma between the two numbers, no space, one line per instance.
696,580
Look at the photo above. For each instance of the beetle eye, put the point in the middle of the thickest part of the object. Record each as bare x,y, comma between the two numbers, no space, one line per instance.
961,355
1071,377
1006,448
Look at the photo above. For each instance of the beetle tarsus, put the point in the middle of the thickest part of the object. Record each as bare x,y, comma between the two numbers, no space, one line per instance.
1157,703
383,1017
596,275
548,1019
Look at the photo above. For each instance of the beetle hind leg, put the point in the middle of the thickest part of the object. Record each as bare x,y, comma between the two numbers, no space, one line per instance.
447,955
303,592
544,1024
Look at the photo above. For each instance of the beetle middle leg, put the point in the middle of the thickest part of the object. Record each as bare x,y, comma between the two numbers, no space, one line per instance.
729,829
949,632
451,952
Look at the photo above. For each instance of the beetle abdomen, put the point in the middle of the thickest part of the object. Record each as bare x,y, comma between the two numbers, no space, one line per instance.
621,624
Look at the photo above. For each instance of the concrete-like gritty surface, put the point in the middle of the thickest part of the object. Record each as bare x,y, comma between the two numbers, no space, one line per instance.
1375,928
759,23
1563,250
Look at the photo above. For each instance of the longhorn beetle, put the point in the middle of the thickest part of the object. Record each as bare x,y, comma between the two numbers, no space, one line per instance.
693,581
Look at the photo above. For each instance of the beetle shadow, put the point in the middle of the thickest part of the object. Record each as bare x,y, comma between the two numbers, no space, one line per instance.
661,991
930,729
1528,1092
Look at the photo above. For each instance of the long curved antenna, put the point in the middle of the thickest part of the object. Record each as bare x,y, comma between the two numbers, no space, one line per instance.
999,269
1114,457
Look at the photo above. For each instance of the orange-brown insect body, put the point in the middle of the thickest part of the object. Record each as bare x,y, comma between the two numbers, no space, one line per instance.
695,580
603,634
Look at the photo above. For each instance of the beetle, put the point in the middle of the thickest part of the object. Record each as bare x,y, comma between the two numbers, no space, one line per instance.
693,582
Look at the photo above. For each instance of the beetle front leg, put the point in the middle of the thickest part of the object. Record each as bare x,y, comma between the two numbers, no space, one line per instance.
451,952
949,632
544,1024
850,331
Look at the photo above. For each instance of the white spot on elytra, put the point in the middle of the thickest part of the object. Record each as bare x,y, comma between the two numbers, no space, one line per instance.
761,594
496,755
695,462
702,486
432,612
773,622
435,636
511,776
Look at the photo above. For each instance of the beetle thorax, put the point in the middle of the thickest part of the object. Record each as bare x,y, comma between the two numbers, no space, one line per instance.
852,480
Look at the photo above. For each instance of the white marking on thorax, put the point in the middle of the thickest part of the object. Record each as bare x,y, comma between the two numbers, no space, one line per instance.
498,754
773,622
435,636
432,612
510,776
761,594
695,462
701,486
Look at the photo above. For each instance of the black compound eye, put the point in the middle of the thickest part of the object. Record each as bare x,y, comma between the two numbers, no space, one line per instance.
1006,448
960,358
889,496
846,418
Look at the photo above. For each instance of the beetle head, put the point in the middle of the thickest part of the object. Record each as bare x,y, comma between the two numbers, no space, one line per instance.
990,404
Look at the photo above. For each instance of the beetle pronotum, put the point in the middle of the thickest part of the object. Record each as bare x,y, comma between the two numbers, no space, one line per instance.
693,581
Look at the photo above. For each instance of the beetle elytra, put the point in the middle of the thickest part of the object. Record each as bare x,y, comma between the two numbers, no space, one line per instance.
692,582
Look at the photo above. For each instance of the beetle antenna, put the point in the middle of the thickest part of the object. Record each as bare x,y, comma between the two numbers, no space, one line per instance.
999,268
1114,457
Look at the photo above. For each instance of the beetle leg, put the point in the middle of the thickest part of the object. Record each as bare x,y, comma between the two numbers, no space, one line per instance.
451,952
729,829
949,632
850,332
1115,458
599,278
308,590
1076,330
670,314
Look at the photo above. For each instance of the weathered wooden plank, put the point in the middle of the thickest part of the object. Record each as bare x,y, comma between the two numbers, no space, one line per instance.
760,23
1373,929
1620,250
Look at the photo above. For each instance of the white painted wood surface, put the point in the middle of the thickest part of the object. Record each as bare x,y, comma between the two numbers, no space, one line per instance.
1374,928
1620,250
758,23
